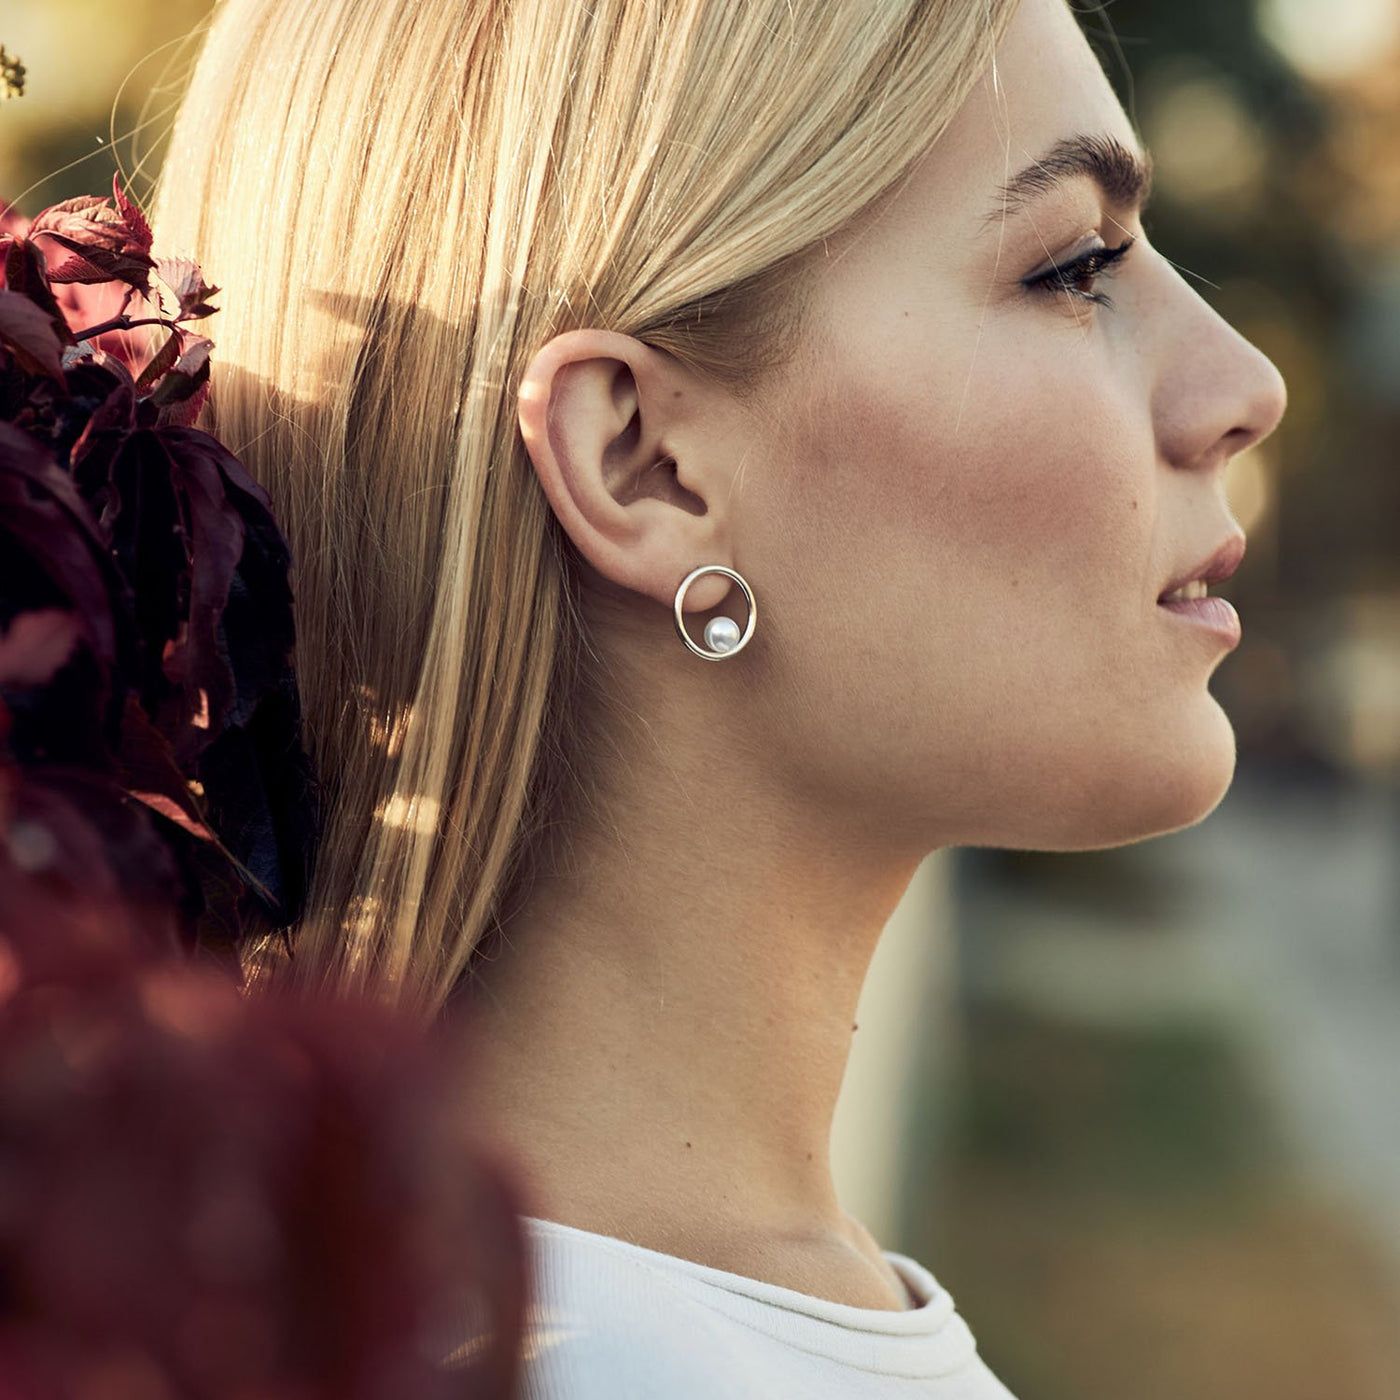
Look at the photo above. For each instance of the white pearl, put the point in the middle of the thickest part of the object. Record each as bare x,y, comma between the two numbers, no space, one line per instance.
721,634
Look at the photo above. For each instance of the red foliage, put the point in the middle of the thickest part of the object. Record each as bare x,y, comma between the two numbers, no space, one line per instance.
207,1195
203,1195
146,544
83,304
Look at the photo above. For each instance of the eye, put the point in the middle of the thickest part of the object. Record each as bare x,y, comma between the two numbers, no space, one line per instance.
1078,276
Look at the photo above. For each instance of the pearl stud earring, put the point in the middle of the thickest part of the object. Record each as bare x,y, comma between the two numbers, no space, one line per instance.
722,634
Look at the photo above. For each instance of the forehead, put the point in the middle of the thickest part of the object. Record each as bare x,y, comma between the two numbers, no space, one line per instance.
1045,88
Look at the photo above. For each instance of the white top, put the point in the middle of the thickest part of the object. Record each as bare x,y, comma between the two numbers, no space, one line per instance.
611,1320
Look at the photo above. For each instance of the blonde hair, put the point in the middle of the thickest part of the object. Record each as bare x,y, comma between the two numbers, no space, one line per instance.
401,204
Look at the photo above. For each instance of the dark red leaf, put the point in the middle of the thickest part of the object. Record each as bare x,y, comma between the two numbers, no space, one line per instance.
172,811
162,360
111,421
131,214
149,772
182,390
91,219
68,207
143,522
216,544
115,264
117,366
183,574
26,272
77,268
42,514
107,238
183,277
28,331
180,412
179,441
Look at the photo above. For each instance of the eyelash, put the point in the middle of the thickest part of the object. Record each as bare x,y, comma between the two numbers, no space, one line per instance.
1090,264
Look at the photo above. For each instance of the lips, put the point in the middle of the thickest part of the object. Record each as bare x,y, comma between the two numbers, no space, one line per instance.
1220,565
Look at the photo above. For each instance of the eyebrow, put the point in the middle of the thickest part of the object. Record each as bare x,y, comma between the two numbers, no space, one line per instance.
1124,176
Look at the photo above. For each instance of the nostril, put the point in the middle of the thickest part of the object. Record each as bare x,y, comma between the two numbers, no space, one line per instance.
1239,440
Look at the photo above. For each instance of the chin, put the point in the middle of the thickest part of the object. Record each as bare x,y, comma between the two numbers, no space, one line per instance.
1156,781
1177,782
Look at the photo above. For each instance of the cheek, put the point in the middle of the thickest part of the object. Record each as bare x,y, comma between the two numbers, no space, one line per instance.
1020,495
979,554
1047,507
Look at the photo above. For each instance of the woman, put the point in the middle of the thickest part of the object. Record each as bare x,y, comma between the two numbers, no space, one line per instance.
538,318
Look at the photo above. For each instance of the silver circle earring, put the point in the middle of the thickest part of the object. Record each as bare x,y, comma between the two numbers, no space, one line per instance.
722,634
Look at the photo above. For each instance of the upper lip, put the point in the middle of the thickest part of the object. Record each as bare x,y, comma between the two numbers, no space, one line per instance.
1220,565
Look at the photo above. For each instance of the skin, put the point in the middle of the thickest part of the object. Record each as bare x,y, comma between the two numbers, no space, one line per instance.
957,506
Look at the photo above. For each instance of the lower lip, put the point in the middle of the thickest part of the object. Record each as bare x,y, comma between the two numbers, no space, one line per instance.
1214,614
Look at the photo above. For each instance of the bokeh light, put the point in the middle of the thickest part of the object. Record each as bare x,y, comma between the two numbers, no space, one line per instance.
1331,39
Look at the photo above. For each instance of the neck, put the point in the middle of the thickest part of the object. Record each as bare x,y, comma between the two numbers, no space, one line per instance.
663,1026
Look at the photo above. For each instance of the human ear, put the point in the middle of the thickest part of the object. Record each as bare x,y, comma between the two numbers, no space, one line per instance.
616,431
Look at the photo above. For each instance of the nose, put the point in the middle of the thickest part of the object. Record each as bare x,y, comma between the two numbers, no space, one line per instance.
1216,393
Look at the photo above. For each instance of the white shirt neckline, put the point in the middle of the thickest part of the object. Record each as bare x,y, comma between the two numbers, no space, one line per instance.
933,1304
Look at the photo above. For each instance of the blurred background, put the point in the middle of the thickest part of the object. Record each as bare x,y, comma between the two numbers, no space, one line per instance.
1138,1109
